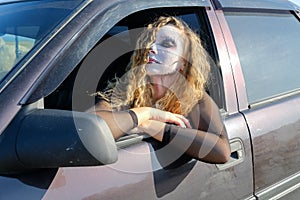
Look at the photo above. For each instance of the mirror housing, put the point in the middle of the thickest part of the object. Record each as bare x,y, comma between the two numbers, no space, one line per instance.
47,138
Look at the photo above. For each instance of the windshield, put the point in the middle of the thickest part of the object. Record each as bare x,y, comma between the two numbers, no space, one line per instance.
24,24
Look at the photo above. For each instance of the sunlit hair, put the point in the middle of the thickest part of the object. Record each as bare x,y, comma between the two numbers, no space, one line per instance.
134,88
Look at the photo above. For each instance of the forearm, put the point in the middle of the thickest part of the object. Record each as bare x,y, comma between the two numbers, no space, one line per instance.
118,122
153,128
122,121
205,146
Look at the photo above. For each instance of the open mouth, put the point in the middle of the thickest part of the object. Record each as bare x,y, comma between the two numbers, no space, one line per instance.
152,60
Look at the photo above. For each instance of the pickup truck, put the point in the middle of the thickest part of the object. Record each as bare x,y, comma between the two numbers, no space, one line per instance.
54,53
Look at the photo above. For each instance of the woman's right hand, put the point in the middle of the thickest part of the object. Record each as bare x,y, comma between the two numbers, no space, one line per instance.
148,113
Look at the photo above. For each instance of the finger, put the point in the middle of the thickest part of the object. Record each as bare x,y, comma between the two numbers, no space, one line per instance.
134,130
172,118
185,120
165,116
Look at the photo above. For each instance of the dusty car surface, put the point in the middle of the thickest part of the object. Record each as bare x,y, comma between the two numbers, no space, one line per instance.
54,54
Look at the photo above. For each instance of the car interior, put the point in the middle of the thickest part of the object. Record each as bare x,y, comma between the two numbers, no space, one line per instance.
61,98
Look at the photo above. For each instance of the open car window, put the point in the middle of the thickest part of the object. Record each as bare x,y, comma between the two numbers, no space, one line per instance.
105,62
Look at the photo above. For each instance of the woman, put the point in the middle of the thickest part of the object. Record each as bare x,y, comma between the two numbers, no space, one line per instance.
163,94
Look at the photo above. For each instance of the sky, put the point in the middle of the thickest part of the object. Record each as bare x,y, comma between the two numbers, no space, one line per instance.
296,1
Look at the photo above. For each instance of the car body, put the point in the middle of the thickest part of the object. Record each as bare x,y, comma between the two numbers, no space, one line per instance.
74,47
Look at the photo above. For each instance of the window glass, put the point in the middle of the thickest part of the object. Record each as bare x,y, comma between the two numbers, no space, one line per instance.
268,49
12,49
23,25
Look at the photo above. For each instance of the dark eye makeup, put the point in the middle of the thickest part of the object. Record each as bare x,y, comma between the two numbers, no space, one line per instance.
168,42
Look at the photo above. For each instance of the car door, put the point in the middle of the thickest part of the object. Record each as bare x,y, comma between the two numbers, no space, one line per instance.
139,172
266,48
23,36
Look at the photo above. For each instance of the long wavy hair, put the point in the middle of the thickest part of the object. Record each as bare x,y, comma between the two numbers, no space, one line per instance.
134,89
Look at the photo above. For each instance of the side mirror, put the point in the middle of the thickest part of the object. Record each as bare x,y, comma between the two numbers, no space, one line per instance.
56,138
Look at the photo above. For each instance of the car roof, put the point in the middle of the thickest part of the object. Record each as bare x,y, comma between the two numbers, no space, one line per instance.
17,1
257,4
8,1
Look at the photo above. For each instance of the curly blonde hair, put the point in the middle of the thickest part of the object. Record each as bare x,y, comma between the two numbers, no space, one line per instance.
134,88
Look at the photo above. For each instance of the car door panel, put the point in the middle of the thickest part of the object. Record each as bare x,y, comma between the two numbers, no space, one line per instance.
31,185
138,169
189,180
275,130
129,178
138,174
271,116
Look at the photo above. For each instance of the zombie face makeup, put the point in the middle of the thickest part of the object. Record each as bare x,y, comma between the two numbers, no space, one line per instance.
165,59
165,55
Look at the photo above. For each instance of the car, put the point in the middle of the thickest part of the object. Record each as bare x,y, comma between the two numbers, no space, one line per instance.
55,54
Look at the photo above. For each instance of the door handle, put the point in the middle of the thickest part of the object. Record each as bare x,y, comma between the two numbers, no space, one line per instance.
237,154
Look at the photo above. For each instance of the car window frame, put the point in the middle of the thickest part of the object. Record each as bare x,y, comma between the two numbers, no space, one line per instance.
215,84
128,140
244,102
238,77
103,19
38,91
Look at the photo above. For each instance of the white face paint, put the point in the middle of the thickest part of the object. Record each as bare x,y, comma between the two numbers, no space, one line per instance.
165,55
165,59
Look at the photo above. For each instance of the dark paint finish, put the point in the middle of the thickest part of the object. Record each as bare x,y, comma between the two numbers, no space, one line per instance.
270,152
275,132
